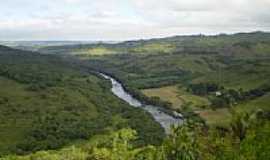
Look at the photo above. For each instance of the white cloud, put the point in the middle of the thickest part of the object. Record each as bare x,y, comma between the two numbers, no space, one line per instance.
128,19
204,12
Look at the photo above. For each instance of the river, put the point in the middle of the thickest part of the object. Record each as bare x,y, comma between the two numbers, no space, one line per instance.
161,117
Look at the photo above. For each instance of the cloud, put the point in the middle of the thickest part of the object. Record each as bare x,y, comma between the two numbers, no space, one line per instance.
205,12
128,19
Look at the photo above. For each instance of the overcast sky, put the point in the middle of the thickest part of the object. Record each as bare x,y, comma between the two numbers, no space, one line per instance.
128,19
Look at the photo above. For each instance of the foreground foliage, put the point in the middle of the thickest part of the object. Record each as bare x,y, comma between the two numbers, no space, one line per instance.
247,138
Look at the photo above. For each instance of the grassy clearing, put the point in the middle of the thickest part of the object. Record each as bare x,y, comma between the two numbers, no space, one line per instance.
177,96
154,48
197,102
96,51
169,93
253,105
219,117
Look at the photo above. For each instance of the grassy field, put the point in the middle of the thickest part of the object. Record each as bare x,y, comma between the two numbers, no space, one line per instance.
98,51
154,48
177,96
221,117
260,103
218,117
169,93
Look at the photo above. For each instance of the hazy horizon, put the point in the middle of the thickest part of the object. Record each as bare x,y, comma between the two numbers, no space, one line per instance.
120,20
125,40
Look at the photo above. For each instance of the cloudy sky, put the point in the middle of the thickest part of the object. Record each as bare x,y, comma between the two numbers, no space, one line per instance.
128,19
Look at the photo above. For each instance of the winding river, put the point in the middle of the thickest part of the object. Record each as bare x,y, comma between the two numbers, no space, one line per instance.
161,117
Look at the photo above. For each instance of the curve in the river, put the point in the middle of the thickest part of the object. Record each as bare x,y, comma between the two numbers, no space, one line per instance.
163,118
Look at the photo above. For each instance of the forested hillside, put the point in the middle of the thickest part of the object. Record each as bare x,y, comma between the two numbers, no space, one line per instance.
47,103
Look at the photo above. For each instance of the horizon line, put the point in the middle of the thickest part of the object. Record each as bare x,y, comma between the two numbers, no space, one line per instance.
140,39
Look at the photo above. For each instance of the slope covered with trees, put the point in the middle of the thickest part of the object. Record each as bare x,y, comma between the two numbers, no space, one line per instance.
246,138
47,102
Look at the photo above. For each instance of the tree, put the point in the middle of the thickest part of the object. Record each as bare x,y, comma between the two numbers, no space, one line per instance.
181,144
240,123
120,147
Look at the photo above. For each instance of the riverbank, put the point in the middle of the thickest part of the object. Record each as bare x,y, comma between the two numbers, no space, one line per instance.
166,120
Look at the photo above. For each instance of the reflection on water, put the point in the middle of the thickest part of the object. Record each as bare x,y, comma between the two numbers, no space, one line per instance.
163,118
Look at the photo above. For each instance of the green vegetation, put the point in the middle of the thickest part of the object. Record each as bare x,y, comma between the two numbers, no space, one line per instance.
246,138
168,93
220,82
47,102
94,51
241,43
177,95
201,65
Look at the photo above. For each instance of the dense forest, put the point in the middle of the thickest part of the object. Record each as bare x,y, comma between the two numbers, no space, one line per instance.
47,103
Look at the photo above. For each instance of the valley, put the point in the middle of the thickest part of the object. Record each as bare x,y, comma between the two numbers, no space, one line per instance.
164,78
111,100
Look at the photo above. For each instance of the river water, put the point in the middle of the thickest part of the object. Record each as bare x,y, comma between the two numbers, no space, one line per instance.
161,117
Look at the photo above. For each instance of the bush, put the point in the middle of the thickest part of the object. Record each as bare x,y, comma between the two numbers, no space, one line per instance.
203,88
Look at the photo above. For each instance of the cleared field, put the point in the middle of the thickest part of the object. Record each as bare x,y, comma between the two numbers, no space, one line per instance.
169,93
259,103
219,117
155,48
98,51
177,96
197,102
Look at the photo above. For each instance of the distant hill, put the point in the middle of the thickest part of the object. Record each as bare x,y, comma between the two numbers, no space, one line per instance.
222,44
35,45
